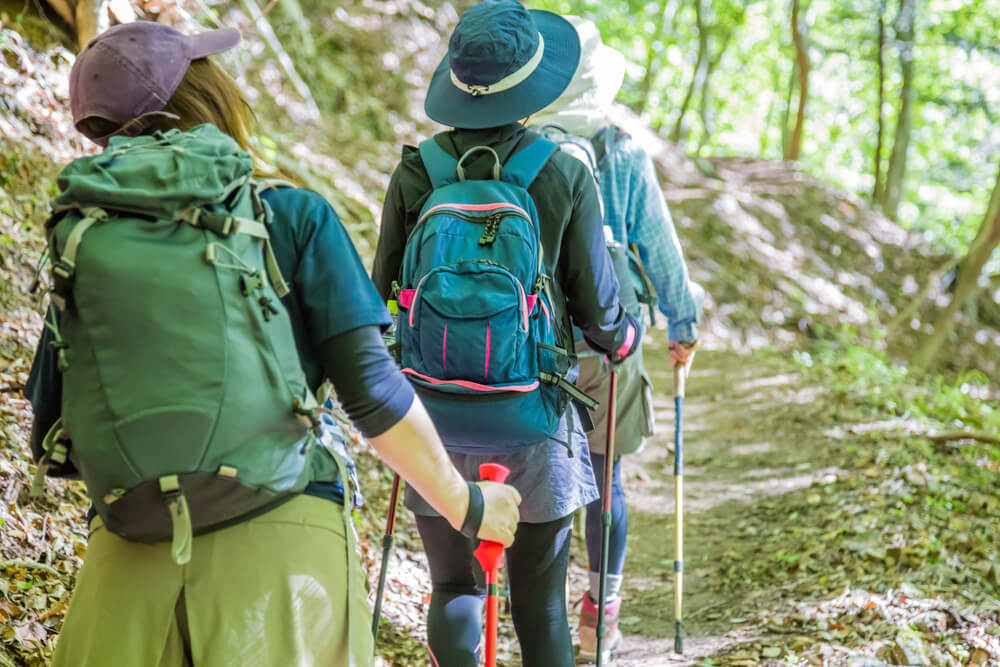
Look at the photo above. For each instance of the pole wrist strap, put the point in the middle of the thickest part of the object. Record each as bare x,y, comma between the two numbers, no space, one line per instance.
474,515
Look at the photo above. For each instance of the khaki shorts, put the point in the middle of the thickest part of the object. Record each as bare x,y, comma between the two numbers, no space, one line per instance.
634,416
278,590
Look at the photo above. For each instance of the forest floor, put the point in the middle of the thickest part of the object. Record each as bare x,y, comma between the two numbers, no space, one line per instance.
797,546
827,520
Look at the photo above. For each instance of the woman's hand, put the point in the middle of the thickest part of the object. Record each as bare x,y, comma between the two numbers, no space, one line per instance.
682,353
413,449
500,513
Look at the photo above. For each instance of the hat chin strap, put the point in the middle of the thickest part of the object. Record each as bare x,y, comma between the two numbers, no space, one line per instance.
508,81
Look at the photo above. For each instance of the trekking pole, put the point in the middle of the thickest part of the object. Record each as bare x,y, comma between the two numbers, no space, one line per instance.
387,542
609,464
506,592
680,375
490,557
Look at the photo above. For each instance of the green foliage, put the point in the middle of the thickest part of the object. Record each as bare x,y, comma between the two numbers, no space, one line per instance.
866,376
951,166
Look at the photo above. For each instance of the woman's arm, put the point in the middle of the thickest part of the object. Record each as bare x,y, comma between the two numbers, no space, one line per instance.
413,449
44,391
651,228
588,275
382,404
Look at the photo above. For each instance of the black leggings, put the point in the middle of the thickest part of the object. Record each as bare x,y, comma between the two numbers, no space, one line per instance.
536,567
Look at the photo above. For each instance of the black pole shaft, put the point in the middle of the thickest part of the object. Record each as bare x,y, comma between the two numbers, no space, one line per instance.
609,464
387,541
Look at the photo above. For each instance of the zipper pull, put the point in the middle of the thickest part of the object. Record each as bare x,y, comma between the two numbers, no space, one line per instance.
490,233
267,308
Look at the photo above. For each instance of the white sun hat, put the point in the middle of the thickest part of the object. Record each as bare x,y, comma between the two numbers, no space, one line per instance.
583,107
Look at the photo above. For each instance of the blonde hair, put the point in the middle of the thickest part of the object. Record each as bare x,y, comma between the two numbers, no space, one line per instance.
207,94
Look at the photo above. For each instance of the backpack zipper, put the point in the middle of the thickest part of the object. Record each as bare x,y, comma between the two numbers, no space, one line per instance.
468,217
492,227
522,295
504,211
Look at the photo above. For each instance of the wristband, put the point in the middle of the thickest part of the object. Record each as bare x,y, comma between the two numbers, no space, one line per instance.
474,515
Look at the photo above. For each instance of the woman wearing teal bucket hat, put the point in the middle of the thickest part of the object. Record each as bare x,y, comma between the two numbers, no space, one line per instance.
505,63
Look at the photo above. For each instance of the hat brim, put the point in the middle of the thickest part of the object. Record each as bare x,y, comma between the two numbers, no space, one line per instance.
214,41
451,106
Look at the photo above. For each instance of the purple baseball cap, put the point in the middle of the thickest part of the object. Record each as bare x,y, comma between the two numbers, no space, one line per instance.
130,71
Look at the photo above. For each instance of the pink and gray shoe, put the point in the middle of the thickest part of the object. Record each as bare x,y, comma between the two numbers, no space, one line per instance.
588,630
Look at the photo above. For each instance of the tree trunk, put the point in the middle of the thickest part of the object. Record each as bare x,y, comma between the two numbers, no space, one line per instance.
699,71
904,125
88,18
971,267
668,8
880,61
802,65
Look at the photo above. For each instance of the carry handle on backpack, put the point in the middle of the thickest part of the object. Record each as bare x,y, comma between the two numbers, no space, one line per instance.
497,170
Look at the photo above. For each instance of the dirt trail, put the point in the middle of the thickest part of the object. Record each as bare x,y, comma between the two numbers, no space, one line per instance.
747,437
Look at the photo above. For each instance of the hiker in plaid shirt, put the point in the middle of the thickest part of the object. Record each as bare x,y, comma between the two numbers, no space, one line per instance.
636,216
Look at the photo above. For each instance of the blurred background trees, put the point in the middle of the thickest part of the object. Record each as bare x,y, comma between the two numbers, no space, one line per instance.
895,100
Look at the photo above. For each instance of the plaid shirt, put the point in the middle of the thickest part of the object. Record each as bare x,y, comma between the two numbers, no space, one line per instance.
635,210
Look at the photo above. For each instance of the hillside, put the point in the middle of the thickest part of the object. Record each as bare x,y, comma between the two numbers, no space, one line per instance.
798,274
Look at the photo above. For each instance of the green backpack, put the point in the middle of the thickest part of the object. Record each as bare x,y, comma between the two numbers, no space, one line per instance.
183,394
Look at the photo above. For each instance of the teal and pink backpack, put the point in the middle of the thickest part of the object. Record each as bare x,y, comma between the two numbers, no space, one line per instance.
482,327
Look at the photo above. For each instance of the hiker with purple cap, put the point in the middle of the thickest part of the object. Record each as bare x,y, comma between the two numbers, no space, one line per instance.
637,218
198,306
491,245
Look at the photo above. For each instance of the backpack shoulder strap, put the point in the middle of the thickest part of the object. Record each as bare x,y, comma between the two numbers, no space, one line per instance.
605,138
441,167
522,167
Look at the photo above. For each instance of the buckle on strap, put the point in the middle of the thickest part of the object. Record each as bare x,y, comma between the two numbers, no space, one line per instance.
180,519
220,223
64,268
571,390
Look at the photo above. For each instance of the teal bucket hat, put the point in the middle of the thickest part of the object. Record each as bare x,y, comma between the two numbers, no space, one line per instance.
504,63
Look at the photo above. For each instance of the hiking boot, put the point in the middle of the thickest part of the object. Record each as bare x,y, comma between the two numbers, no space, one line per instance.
588,630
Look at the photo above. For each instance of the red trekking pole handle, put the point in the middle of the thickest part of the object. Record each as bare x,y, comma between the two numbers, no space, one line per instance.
490,557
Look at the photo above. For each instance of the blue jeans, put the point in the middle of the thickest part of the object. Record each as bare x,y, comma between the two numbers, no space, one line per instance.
619,521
